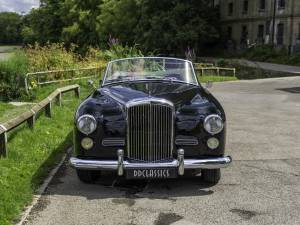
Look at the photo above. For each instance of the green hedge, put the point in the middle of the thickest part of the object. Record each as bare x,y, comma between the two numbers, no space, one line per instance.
12,74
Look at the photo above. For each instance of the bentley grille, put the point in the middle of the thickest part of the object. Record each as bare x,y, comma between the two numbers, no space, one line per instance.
150,132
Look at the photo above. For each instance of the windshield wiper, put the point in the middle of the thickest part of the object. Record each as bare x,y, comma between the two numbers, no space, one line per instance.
125,79
153,77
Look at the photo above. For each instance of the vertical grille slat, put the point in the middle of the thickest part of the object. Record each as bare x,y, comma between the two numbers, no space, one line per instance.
149,132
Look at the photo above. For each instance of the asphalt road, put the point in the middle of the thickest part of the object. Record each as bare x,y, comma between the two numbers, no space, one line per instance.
261,187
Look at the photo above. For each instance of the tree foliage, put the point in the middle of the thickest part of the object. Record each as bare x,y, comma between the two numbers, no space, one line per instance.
164,26
10,28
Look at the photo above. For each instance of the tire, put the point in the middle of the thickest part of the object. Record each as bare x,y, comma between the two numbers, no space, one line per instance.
88,176
211,176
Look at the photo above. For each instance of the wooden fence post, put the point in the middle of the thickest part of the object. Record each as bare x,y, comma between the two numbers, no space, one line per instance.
58,99
3,145
77,92
31,120
48,109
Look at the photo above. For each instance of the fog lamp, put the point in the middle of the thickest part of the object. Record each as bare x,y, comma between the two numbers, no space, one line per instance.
87,143
213,143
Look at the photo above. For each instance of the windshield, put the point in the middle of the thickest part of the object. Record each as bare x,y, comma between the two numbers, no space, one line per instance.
132,69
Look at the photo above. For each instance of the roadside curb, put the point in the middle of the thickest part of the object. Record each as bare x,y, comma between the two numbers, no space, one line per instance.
41,190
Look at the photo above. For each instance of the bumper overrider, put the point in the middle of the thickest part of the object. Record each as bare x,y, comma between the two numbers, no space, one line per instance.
180,163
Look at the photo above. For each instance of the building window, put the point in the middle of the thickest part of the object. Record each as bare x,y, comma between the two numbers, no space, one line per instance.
260,33
230,9
268,27
280,32
229,32
245,7
262,5
244,34
281,4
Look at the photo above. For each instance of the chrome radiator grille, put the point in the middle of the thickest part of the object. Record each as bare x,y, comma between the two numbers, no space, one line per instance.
150,132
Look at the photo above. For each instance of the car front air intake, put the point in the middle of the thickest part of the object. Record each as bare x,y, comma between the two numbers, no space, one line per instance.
150,126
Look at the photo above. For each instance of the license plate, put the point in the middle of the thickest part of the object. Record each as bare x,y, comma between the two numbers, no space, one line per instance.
157,173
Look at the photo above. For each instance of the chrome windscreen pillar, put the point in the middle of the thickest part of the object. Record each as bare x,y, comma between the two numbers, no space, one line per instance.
120,162
180,158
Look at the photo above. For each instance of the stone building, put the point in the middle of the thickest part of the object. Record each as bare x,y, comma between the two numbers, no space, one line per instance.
247,23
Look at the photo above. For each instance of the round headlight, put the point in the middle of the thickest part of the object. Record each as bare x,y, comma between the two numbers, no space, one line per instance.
86,124
87,143
213,143
213,124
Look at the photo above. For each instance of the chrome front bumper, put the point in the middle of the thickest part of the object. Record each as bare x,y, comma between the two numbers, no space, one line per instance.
120,165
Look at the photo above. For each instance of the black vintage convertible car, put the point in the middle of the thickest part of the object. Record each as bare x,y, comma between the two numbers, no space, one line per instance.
150,119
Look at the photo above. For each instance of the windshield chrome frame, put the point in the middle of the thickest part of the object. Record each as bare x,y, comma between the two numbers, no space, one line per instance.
148,57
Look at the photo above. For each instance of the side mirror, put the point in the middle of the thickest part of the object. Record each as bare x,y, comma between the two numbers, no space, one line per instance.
209,84
100,82
91,83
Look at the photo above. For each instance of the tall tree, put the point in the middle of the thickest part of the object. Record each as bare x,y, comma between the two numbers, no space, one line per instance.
170,26
81,19
10,28
46,22
118,19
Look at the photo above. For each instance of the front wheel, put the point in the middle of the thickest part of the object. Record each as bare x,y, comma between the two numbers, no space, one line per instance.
211,176
88,176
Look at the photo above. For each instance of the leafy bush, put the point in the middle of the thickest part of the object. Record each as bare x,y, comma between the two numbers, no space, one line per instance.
267,53
12,73
51,57
264,53
54,57
117,51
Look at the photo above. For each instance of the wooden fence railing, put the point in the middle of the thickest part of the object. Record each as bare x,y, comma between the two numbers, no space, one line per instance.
201,65
30,115
218,70
58,76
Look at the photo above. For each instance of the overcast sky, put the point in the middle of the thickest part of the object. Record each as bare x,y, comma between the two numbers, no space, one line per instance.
18,5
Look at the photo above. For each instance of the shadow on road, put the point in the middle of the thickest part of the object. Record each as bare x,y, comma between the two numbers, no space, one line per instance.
111,186
293,90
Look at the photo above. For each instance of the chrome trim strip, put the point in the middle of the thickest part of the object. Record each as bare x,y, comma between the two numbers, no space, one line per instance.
186,141
111,142
211,163
148,100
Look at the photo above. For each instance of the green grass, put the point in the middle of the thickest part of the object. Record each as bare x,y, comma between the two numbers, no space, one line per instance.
33,153
8,111
204,79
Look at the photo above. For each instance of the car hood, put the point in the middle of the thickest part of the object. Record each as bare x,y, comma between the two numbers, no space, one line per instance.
177,93
190,101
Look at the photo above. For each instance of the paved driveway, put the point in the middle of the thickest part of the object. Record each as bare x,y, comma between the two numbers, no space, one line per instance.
261,187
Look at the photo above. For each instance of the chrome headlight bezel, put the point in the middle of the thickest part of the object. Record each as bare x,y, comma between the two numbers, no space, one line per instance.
88,118
207,121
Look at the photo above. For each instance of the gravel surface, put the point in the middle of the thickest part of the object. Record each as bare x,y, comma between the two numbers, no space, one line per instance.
261,187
